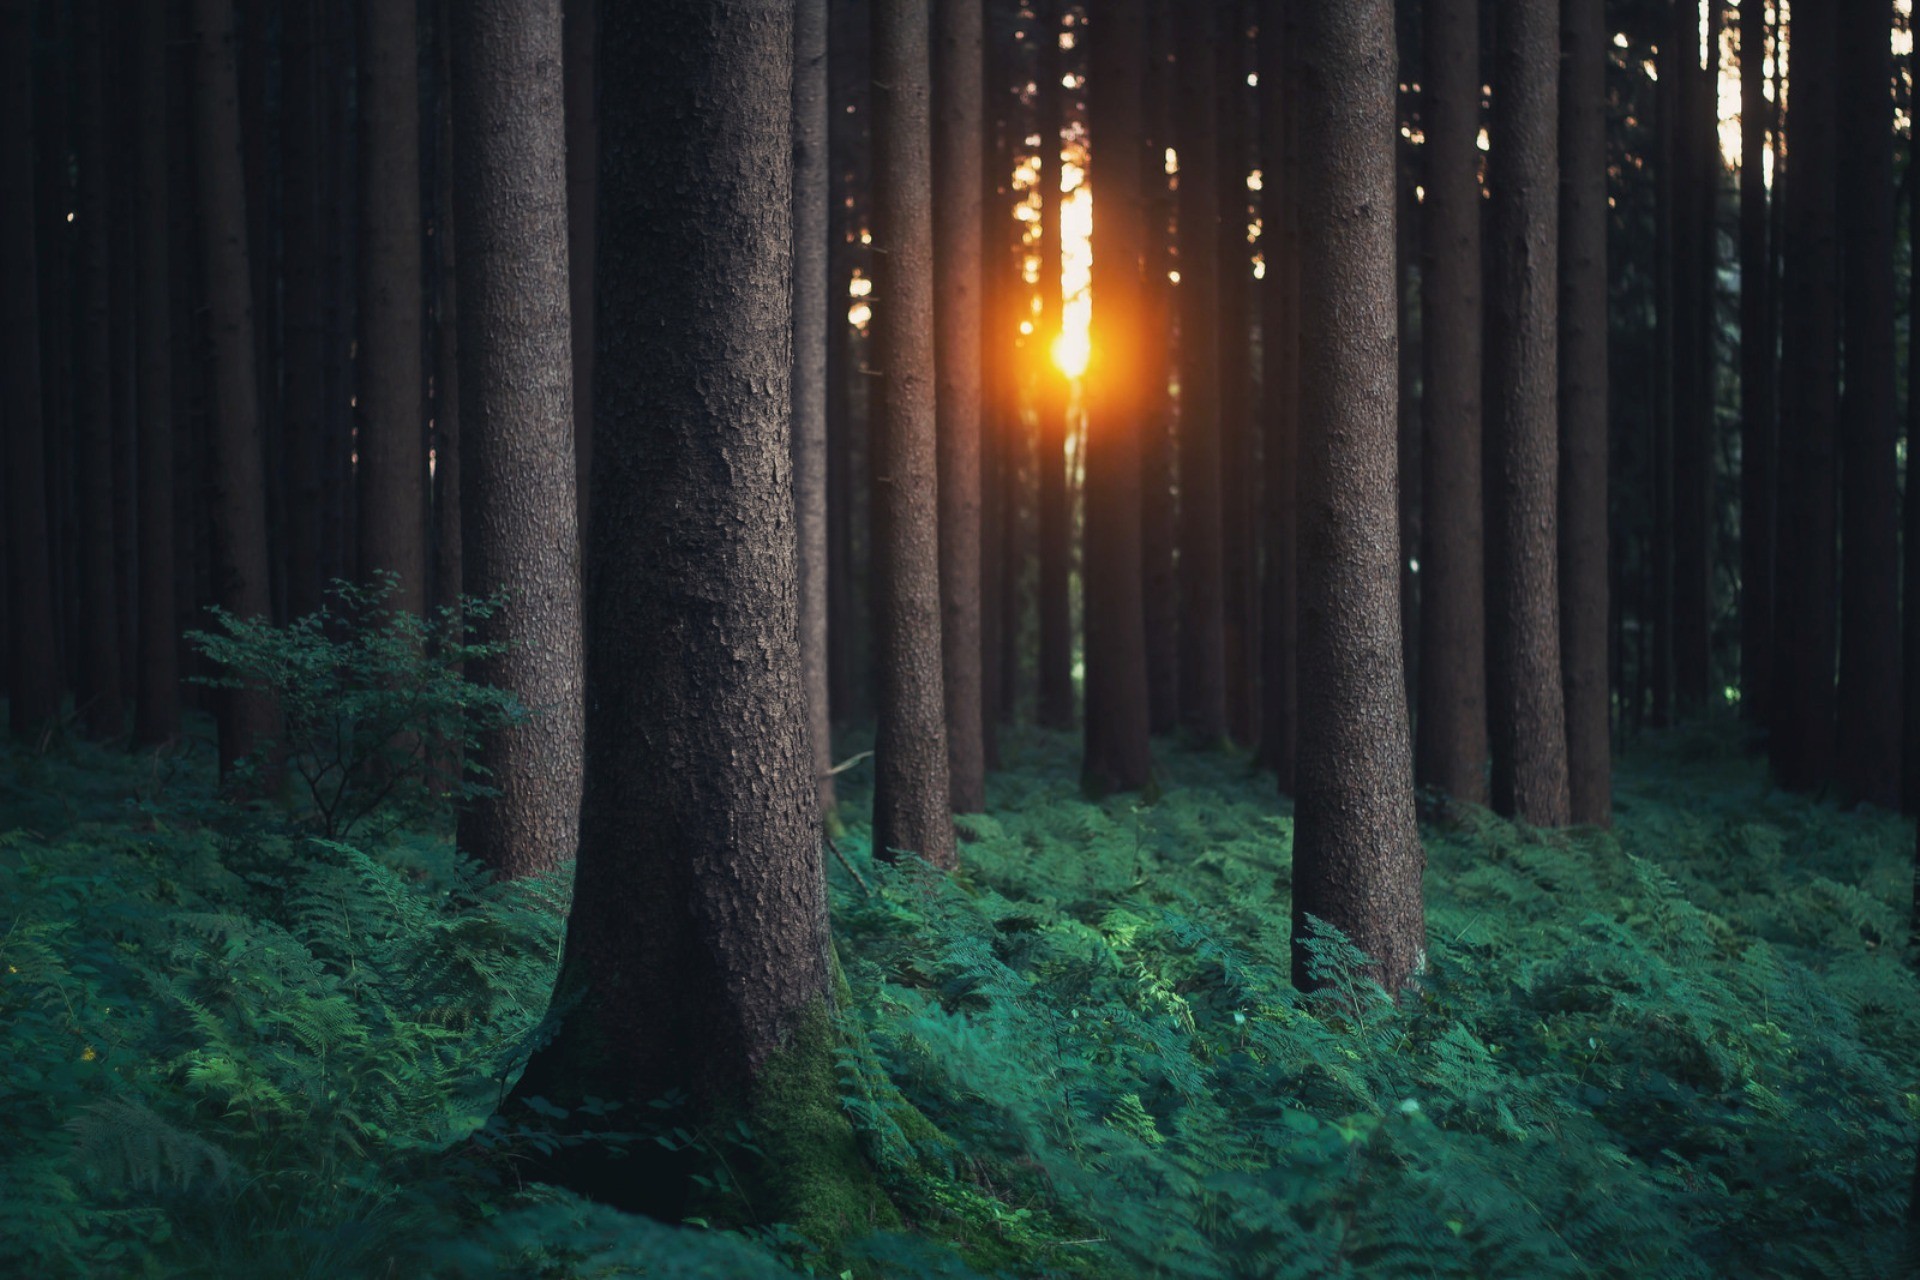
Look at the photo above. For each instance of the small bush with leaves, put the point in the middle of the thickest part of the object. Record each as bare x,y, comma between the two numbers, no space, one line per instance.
378,718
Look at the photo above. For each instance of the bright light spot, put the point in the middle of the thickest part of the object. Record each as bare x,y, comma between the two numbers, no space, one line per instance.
1254,182
1619,39
859,314
1651,67
1482,141
1253,79
70,217
1419,195
1174,276
1026,327
1413,566
1072,347
1173,162
859,286
1070,353
1259,267
866,237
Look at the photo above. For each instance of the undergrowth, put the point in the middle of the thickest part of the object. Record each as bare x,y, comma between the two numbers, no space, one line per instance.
1682,1048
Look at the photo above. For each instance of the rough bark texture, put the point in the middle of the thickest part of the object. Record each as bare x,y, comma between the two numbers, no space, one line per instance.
98,691
33,682
1055,708
304,360
1203,692
956,245
516,391
1158,513
1117,754
1451,750
1280,352
1758,372
157,702
910,798
581,21
1869,729
393,457
1357,859
998,325
698,935
1801,736
1526,705
1583,408
236,499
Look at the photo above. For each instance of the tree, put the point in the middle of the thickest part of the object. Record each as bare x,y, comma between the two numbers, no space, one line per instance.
1158,514
1583,409
1055,707
237,499
957,63
393,457
812,314
1868,729
33,681
1203,690
1758,374
157,703
1693,190
580,19
910,796
1357,856
697,952
303,300
1451,750
1117,753
1527,707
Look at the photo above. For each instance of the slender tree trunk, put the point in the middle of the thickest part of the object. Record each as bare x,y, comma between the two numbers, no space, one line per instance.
1239,601
1910,564
1802,740
1050,397
1869,706
338,156
517,401
1357,857
1280,350
120,327
957,63
304,420
846,72
1526,702
1117,754
187,319
393,458
581,19
1696,164
157,706
910,802
1669,184
1452,745
998,325
1583,408
1757,376
55,243
697,955
254,54
237,497
1203,694
33,680
1158,513
444,409
98,692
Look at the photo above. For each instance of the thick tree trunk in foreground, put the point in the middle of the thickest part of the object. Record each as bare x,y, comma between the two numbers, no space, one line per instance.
1451,751
1357,857
1583,409
33,681
516,410
237,498
1758,372
1117,754
393,455
157,703
1526,704
910,796
1868,730
812,308
697,945
956,241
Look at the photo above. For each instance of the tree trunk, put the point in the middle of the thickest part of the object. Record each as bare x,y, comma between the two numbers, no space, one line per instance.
122,268
1583,409
1239,601
157,705
1758,372
1357,857
1050,396
444,406
1910,564
1669,183
697,953
1117,755
910,801
306,337
1526,703
1802,739
1869,706
580,19
237,496
33,680
1452,725
812,316
516,467
55,249
998,325
393,457
957,66
1692,193
1408,286
1158,513
98,693
1203,694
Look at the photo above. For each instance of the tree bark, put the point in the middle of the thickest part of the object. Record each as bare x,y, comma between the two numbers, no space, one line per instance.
1158,512
1357,857
237,497
998,325
911,799
1451,751
1758,374
1055,709
581,20
32,661
1583,409
1869,731
1526,702
697,945
304,417
957,63
392,450
444,407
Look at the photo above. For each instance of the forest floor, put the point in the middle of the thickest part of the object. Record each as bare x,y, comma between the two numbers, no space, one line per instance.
1685,1047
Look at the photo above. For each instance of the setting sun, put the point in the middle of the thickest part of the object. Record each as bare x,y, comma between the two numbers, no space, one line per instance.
1071,351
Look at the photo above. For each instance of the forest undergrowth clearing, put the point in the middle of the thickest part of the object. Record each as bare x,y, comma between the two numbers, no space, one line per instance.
1684,1047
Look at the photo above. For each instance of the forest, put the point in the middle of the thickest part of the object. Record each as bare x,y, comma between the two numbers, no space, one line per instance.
1082,639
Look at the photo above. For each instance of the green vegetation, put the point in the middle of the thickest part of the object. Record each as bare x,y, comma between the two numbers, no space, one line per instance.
1684,1048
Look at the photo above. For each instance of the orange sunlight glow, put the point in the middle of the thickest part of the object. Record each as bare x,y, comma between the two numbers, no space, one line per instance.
1073,346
